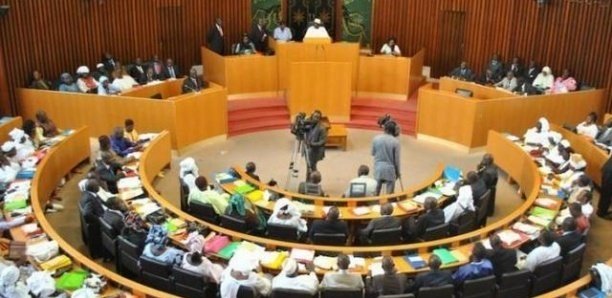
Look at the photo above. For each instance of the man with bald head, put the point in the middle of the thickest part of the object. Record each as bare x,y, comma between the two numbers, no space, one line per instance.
330,225
462,73
388,283
386,221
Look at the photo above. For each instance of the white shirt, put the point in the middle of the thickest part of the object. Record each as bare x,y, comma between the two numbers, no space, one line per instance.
313,32
283,35
305,282
124,83
342,279
534,137
386,50
7,174
370,183
544,82
540,255
587,130
587,210
83,86
206,268
293,221
229,285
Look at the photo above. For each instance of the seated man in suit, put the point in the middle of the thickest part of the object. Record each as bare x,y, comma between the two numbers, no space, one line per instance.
93,209
342,278
388,283
109,174
115,212
433,217
462,73
516,67
330,225
171,71
121,145
362,177
479,187
503,259
488,78
524,87
432,278
496,66
194,83
312,186
478,267
570,238
386,221
138,71
250,169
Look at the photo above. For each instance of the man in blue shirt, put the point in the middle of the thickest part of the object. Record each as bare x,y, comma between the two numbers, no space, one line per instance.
282,33
121,145
477,268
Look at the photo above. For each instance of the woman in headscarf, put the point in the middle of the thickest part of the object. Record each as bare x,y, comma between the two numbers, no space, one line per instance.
241,209
135,230
564,84
464,202
48,127
23,145
240,272
538,135
188,172
286,214
545,79
85,81
67,84
194,261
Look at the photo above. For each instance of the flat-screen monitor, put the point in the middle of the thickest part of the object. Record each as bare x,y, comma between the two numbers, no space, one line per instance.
464,92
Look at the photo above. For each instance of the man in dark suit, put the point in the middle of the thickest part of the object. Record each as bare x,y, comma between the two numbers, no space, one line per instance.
433,217
91,206
516,67
259,35
138,71
479,187
171,71
386,221
193,83
315,141
570,237
215,37
488,172
432,278
496,67
524,87
114,214
109,62
330,225
531,72
463,73
108,174
503,259
157,66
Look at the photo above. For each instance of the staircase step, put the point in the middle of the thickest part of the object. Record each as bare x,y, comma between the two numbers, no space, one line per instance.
258,103
243,115
260,123
373,114
410,105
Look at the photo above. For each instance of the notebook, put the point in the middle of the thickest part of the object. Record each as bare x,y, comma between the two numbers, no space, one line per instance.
302,255
227,252
543,213
244,189
445,256
415,261
360,211
546,203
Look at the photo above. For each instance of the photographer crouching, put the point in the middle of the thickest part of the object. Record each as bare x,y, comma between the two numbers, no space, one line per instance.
386,152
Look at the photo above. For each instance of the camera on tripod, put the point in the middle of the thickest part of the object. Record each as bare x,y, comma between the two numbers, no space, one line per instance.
302,125
387,119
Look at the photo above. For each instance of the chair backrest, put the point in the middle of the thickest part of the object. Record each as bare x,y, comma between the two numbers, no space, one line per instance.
246,292
105,227
329,239
572,263
514,284
283,293
184,195
205,212
437,232
466,222
357,190
109,237
188,278
340,293
547,276
397,296
479,288
312,189
84,225
127,256
386,236
154,267
282,232
483,210
445,291
232,223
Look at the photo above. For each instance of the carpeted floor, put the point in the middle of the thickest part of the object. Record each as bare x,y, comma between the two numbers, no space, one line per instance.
272,152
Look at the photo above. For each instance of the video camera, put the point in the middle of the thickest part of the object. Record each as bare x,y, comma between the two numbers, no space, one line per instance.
302,125
387,119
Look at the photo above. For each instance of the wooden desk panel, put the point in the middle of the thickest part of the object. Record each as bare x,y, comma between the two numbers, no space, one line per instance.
384,74
6,127
251,74
167,88
214,66
324,86
480,91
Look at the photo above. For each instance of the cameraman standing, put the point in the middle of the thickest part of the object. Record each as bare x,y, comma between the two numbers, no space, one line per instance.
315,141
386,152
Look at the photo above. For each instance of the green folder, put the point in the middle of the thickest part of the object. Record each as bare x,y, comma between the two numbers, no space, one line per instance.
244,189
227,252
71,281
15,204
544,213
445,256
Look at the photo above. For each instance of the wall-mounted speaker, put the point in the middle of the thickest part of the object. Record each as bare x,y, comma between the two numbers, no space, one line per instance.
542,3
4,10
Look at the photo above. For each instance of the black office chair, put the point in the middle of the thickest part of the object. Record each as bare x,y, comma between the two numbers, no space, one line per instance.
435,233
357,190
184,193
329,239
340,293
547,276
479,288
397,296
284,293
205,212
246,292
436,292
282,232
386,236
514,284
234,224
188,284
128,254
84,234
312,189
91,234
109,237
156,274
483,209
572,264
465,223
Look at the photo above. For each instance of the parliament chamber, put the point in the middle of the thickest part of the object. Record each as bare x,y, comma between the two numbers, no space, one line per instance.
211,150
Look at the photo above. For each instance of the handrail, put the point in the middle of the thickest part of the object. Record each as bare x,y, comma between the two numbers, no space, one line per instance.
149,173
58,162
572,288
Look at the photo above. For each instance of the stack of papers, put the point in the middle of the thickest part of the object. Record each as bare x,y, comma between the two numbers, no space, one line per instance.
325,263
547,203
130,194
147,209
509,237
408,206
526,228
243,187
376,208
302,255
360,211
421,198
539,221
227,252
356,262
304,208
376,269
129,182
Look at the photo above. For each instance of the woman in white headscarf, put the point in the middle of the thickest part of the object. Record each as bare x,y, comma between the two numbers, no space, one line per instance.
240,273
290,279
464,202
189,172
10,286
286,214
23,145
539,134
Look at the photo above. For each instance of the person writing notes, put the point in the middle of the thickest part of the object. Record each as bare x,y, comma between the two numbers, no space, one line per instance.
317,30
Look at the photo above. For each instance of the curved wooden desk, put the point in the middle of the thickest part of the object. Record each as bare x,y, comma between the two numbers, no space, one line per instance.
509,156
6,127
594,156
571,290
58,162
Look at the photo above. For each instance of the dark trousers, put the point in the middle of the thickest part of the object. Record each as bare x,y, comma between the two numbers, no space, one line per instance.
604,204
389,186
